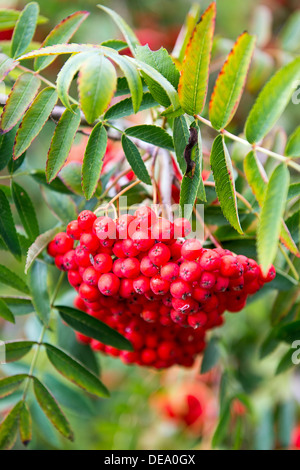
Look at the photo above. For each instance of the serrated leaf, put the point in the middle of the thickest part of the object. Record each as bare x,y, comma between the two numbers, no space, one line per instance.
152,134
75,372
230,82
93,160
55,185
58,49
92,327
97,82
6,147
37,281
24,29
211,356
25,424
34,120
223,175
7,227
272,101
6,313
180,137
270,217
6,65
13,280
127,32
71,177
135,160
9,428
51,409
161,61
116,44
125,107
15,350
61,205
61,34
287,239
61,142
20,98
193,82
9,385
292,148
186,32
37,247
25,210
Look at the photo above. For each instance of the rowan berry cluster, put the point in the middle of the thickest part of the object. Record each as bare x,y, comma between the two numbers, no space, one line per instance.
141,277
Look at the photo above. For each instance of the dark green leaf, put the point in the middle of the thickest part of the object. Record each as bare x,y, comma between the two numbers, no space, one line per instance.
25,424
15,350
55,185
7,227
125,107
223,425
13,280
9,385
292,148
211,356
116,44
9,427
93,160
6,147
25,210
61,205
181,137
135,160
6,313
152,134
37,280
285,362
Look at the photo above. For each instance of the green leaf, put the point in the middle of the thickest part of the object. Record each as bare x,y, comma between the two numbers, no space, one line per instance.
230,82
55,185
92,327
180,137
223,175
272,101
6,65
20,98
51,409
9,17
133,78
162,62
125,107
59,49
34,120
75,372
285,362
19,305
135,160
9,428
7,227
127,32
93,160
116,44
61,142
294,191
66,75
256,176
186,32
97,82
25,210
38,246
9,385
61,205
25,425
270,217
289,332
292,148
223,425
195,69
6,147
290,33
6,313
15,350
152,134
24,29
61,34
11,279
71,177
37,280
211,356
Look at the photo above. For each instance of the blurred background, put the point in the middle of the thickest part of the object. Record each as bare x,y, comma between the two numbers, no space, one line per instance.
177,409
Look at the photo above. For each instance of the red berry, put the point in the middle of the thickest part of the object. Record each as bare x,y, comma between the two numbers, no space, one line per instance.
169,271
148,268
237,284
180,289
230,267
51,249
150,316
185,306
103,263
105,227
73,230
167,350
63,243
142,240
141,284
126,288
207,280
130,268
82,257
210,260
85,220
88,293
109,284
118,250
122,225
190,271
197,320
159,254
89,242
175,249
148,356
59,262
129,248
146,217
269,276
191,249
163,231
91,276
200,294
69,260
182,227
74,278
221,284
159,286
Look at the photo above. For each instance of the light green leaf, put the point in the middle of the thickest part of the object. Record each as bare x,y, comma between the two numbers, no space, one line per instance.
34,120
135,160
230,82
24,29
127,32
59,49
37,280
6,313
75,372
195,69
152,134
25,425
37,247
51,409
20,98
9,17
270,217
116,44
9,385
125,107
62,141
15,350
92,327
294,191
6,65
290,33
97,82
292,148
256,176
186,32
56,185
12,279
25,210
93,160
61,205
9,428
61,34
223,175
7,227
272,101
71,177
